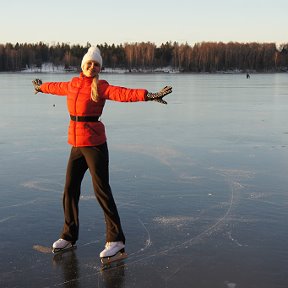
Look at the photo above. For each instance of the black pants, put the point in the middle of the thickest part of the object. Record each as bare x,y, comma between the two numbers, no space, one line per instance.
96,159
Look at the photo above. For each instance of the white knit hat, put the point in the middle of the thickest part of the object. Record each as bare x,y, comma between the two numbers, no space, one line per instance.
93,54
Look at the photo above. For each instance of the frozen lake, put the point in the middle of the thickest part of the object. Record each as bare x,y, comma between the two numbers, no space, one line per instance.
200,184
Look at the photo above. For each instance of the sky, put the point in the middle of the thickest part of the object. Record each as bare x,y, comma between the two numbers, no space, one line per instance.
130,21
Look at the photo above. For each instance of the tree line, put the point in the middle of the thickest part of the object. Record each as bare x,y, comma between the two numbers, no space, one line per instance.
201,57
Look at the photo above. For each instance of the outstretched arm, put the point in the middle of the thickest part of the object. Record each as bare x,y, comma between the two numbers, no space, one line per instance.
123,94
55,88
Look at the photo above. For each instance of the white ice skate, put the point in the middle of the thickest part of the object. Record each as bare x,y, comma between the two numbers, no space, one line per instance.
113,251
61,245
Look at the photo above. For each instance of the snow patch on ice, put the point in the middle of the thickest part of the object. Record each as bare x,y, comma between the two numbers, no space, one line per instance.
87,197
40,185
230,284
173,220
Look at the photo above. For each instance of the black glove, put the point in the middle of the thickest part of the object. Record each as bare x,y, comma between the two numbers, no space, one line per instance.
159,95
37,83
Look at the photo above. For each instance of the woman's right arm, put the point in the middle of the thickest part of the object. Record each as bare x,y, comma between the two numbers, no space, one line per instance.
55,88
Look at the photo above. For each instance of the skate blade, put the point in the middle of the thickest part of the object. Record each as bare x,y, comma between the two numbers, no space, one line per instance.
117,257
57,251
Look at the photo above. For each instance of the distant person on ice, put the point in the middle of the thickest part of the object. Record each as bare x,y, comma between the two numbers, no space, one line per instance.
86,96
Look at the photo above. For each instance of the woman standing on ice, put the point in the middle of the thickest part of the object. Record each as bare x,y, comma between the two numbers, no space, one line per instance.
86,96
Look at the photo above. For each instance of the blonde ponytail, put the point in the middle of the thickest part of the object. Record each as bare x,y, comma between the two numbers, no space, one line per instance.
94,90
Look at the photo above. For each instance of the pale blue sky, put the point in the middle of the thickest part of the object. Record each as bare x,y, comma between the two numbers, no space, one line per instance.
157,21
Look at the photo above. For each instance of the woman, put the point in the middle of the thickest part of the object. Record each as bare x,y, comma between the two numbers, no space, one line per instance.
86,96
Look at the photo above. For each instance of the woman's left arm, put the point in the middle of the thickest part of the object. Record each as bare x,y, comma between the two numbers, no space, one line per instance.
123,94
120,94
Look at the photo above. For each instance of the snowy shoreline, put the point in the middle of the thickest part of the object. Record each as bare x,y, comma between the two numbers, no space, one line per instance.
50,68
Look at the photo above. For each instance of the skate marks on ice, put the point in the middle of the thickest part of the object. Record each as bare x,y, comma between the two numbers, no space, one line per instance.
214,227
7,218
144,253
11,206
217,226
44,185
24,203
39,185
232,178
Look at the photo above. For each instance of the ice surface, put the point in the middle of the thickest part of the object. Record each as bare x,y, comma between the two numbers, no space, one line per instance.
201,185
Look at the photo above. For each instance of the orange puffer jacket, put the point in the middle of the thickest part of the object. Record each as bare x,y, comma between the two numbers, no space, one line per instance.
79,103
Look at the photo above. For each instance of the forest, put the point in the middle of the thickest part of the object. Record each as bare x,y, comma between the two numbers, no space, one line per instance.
208,57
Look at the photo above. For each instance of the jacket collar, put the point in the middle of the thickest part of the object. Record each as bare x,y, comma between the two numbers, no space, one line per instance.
83,76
